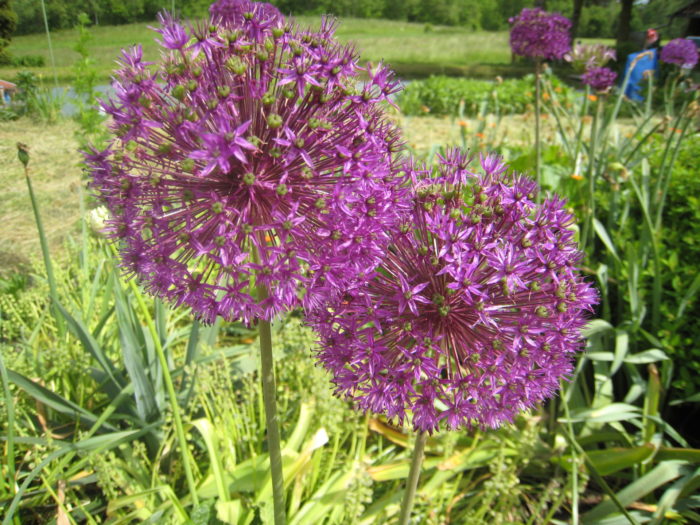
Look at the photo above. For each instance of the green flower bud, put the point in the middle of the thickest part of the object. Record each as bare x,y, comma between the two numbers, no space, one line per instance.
274,121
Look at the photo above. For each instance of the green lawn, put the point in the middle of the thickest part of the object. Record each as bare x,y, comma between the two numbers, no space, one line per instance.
412,49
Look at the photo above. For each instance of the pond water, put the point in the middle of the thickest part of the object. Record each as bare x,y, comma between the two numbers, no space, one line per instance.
70,97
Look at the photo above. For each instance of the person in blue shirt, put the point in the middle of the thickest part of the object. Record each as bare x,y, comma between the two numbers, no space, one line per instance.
640,65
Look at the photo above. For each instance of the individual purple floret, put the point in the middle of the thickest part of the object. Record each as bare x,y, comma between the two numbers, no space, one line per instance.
681,52
249,157
599,78
235,11
534,33
475,313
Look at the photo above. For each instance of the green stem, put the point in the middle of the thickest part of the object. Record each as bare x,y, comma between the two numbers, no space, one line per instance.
538,147
662,188
413,476
590,177
48,39
9,403
574,461
267,371
167,378
53,293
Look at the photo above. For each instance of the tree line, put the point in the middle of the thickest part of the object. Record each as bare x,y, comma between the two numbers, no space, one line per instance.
597,18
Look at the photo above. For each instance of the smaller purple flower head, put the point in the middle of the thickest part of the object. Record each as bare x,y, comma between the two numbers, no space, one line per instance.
534,33
475,313
599,78
681,52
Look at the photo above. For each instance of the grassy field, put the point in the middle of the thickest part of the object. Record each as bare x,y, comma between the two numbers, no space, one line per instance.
56,180
414,50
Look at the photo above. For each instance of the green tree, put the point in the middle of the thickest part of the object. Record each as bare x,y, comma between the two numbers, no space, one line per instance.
8,23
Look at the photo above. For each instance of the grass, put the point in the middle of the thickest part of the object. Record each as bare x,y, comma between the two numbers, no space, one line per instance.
411,48
56,178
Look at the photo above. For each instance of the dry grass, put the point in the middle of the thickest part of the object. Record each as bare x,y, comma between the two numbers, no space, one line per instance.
56,181
423,133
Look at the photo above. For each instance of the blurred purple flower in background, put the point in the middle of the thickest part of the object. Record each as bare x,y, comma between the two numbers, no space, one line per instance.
599,78
589,56
248,155
475,313
681,52
537,34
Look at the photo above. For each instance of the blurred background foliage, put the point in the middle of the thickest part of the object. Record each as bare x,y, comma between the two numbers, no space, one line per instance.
598,19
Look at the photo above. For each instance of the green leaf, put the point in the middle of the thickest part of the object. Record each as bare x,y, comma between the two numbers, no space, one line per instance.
53,400
691,455
93,444
606,414
211,439
648,356
692,290
622,340
329,495
635,491
229,511
605,238
595,327
600,356
91,345
692,399
615,459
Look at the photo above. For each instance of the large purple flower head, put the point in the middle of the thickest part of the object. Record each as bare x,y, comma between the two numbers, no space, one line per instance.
681,52
534,33
249,156
476,310
599,78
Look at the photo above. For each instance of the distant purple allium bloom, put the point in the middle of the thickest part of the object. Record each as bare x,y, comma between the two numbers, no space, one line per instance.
534,33
588,56
252,156
599,78
681,52
476,311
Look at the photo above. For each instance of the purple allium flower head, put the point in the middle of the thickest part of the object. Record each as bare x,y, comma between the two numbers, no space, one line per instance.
251,157
681,52
474,314
534,33
599,78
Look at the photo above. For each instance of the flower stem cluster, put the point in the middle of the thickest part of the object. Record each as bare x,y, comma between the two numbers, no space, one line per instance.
249,155
475,312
